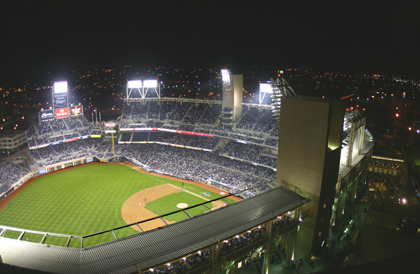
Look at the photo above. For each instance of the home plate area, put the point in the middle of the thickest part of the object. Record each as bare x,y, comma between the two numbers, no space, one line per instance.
182,205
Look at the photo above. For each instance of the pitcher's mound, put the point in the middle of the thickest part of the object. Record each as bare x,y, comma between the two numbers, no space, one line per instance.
182,205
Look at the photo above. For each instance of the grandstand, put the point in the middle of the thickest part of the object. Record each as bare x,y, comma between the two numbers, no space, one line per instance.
184,138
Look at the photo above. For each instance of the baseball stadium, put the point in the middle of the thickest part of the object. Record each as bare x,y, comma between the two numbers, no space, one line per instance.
179,185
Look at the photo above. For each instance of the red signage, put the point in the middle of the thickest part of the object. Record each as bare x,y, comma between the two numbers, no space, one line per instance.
76,110
61,113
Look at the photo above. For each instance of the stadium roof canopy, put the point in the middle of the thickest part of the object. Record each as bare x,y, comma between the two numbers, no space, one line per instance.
156,247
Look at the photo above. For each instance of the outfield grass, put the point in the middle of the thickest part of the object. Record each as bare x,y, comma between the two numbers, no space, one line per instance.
54,204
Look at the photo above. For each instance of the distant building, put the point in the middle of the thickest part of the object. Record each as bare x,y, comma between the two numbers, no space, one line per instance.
12,141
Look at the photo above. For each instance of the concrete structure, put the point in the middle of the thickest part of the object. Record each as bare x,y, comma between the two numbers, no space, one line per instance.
12,141
323,154
356,152
232,95
238,95
310,133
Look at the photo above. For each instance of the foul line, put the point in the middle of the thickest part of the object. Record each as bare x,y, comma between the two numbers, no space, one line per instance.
156,178
195,194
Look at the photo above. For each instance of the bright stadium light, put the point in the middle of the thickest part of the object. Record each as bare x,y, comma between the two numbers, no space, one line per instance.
60,87
134,84
225,75
266,88
150,83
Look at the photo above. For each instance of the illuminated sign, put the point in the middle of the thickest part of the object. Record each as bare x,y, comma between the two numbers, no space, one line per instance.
264,87
61,113
60,95
225,75
47,115
77,110
134,84
60,87
150,83
110,131
109,124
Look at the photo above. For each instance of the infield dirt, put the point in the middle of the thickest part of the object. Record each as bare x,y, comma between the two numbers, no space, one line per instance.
132,212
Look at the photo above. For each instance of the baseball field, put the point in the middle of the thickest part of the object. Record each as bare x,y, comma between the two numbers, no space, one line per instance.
100,196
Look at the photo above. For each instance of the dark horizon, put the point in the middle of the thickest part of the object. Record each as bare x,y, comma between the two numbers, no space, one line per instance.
373,37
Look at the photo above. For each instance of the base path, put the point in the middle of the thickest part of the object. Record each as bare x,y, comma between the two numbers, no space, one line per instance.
133,209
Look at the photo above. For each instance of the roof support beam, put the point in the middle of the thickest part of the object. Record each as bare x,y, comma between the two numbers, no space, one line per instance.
68,241
186,215
163,221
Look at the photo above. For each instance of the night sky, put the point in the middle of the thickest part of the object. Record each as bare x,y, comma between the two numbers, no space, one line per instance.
359,36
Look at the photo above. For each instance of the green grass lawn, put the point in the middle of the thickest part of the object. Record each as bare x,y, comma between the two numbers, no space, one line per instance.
54,204
168,204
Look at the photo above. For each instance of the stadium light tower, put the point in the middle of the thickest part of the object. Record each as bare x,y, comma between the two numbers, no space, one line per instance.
265,88
280,88
143,88
233,96
226,78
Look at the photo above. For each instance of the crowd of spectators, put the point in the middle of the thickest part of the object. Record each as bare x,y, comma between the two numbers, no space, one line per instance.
188,113
179,111
51,155
59,129
251,153
154,110
230,246
171,138
243,240
213,130
186,264
248,119
194,114
258,121
199,166
11,173
266,121
255,126
211,114
238,166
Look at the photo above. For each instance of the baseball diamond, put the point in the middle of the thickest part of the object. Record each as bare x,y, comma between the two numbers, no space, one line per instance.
100,196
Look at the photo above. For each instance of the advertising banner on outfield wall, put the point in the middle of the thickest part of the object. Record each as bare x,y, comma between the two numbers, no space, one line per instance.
42,171
76,110
61,113
47,115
